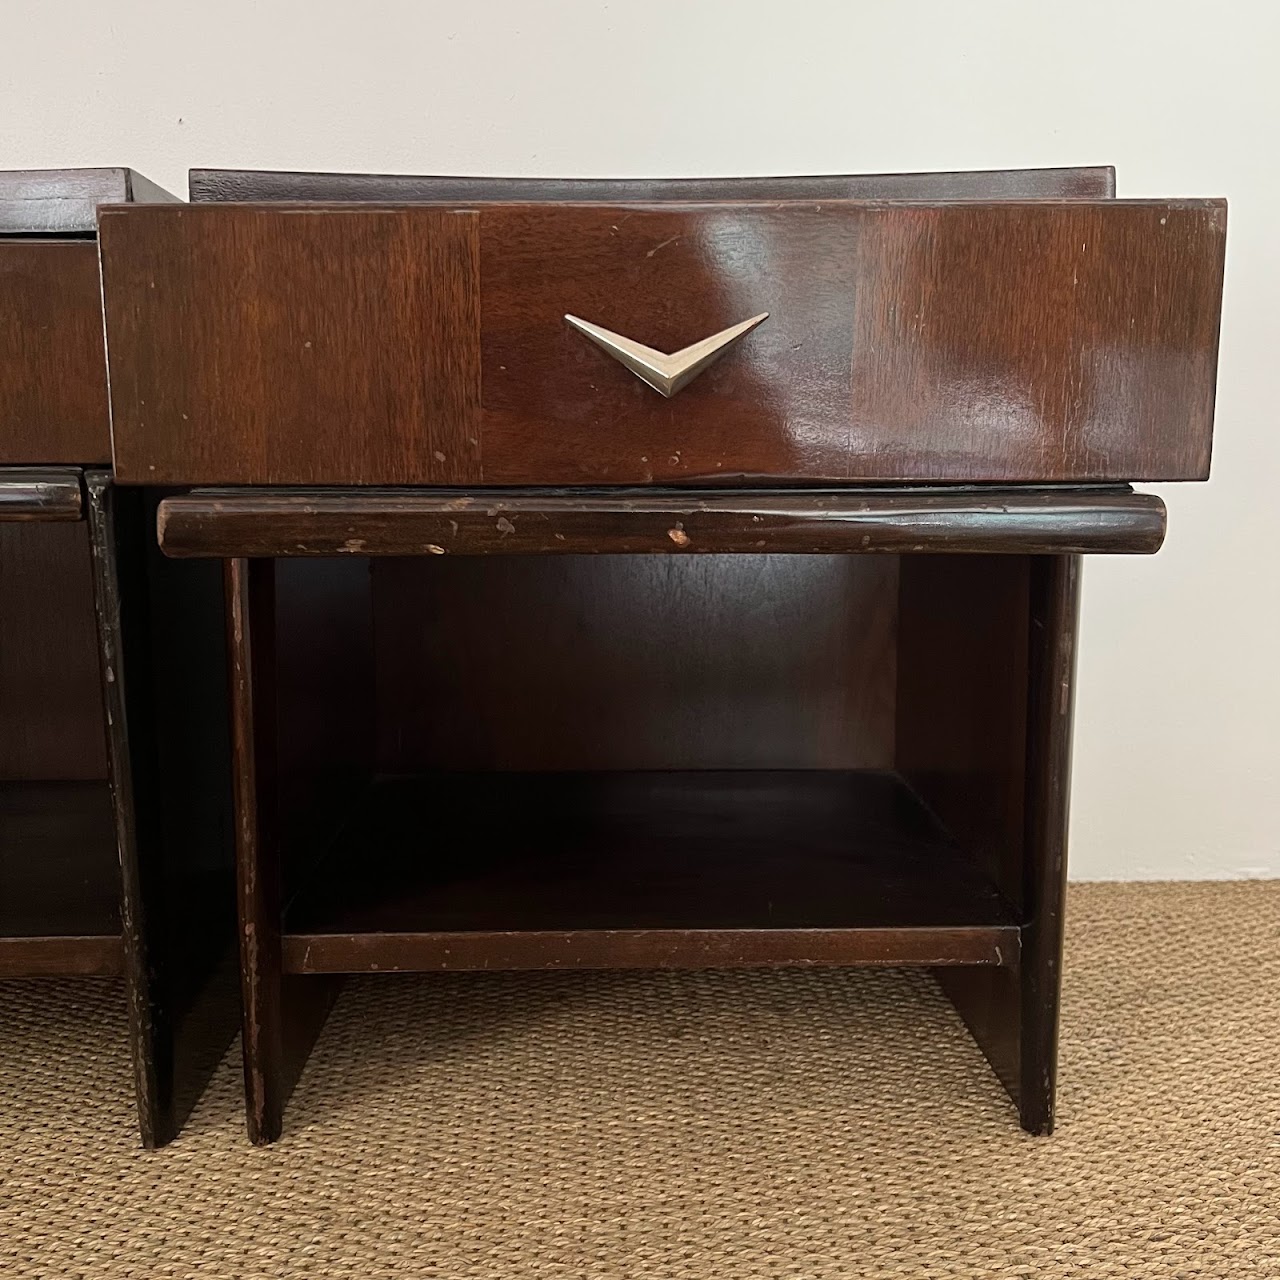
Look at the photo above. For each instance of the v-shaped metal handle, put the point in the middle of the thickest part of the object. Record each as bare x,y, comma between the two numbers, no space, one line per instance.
665,373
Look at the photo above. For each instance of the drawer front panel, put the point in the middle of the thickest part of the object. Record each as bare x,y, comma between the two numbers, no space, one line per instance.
559,408
1030,342
293,347
53,376
1017,342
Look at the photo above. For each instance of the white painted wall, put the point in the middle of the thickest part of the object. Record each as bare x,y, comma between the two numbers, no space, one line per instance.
1178,746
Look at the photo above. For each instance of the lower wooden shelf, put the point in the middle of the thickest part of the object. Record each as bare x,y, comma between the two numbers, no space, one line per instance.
59,880
648,869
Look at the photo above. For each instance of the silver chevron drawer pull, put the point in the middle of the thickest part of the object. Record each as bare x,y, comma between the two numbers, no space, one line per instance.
666,373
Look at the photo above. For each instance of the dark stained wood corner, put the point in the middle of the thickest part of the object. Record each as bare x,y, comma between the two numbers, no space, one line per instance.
163,672
370,522
1097,183
53,374
64,202
40,493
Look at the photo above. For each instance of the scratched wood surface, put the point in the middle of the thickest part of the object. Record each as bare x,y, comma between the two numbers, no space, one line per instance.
405,522
1004,341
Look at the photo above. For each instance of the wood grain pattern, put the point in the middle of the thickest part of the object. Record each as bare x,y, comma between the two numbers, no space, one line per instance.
290,523
282,1016
1090,340
162,631
53,378
250,624
64,202
1055,628
981,946
46,493
636,662
962,702
963,654
986,686
1061,341
264,347
164,669
553,661
998,342
1097,183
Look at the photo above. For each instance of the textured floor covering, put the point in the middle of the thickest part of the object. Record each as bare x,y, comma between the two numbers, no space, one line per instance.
800,1124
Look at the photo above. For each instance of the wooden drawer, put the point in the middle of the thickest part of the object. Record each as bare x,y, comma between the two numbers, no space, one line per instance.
427,344
53,377
53,374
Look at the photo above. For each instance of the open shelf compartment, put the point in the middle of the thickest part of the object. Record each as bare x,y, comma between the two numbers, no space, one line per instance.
645,869
601,759
584,761
59,880
59,867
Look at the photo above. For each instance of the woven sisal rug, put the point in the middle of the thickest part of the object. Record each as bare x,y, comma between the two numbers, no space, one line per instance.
689,1126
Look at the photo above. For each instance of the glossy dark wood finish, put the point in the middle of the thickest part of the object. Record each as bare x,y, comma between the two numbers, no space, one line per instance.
612,869
257,866
138,961
994,342
64,202
162,678
53,381
986,675
352,346
963,653
1093,335
94,621
952,670
962,701
1006,184
1055,624
40,493
635,662
1039,342
281,1016
173,637
53,378
287,522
